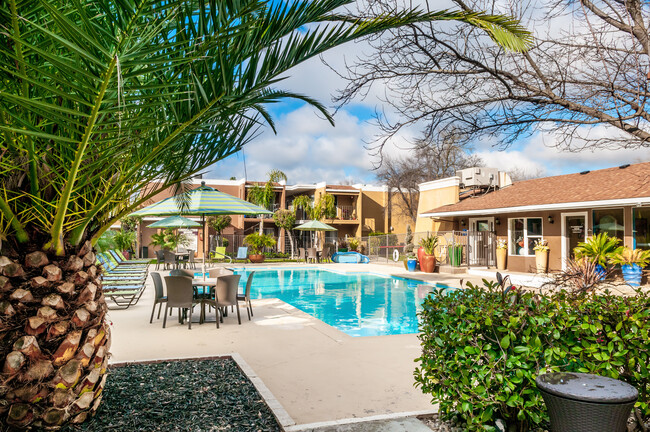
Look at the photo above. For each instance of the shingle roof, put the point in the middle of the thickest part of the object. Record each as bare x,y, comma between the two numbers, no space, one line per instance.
342,187
628,182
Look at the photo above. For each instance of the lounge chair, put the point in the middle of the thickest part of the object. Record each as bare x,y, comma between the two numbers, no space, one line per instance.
242,254
220,253
130,261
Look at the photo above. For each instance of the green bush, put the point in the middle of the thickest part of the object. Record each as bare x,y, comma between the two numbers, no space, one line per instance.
483,349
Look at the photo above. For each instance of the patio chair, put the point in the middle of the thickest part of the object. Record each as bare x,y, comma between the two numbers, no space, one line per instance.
246,297
225,294
159,294
179,295
160,258
312,255
191,262
326,254
218,272
301,255
182,272
169,258
242,254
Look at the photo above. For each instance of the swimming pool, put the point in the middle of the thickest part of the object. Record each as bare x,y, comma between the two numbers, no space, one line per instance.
359,304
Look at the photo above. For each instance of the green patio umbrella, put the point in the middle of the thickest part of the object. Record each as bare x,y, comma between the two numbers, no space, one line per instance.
175,222
314,225
202,201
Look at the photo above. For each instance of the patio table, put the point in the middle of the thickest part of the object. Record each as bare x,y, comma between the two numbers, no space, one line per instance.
181,257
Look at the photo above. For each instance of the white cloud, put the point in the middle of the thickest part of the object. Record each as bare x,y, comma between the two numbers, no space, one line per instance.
308,149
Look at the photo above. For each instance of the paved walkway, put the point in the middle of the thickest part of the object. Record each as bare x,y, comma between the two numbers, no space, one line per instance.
316,372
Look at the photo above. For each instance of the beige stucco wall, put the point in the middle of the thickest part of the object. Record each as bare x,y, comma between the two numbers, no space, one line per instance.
433,195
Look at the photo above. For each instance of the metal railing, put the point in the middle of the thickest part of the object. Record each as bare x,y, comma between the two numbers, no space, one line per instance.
455,248
346,212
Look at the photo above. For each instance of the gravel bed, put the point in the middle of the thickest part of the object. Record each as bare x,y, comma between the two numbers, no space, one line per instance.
184,395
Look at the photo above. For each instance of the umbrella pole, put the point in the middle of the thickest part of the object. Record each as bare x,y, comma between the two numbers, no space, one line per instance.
205,237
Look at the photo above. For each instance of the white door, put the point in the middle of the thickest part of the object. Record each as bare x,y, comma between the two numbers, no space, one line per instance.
480,244
574,231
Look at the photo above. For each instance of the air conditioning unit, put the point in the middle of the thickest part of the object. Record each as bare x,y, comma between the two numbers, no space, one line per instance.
478,177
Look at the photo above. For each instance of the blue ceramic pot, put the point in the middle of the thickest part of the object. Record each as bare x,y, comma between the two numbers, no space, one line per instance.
632,274
601,271
411,263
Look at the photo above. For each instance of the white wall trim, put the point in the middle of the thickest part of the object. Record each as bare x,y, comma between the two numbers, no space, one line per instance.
439,184
219,182
637,202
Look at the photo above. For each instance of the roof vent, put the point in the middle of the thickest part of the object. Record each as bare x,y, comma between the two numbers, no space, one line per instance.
584,172
624,166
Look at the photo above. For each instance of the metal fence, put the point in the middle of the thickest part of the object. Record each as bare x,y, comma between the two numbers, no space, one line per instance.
455,248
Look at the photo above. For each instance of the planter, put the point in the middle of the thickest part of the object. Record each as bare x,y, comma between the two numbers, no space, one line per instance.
126,254
541,261
420,253
428,263
256,258
343,249
601,271
411,263
632,274
502,259
456,255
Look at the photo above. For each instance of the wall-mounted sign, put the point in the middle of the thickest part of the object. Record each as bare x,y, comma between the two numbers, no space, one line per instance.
577,229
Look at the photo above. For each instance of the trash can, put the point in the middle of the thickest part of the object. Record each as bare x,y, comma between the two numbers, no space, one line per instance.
579,402
456,255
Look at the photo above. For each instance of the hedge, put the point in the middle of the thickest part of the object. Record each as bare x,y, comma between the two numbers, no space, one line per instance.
482,349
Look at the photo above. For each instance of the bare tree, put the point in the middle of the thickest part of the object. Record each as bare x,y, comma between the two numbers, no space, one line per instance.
588,67
520,174
428,161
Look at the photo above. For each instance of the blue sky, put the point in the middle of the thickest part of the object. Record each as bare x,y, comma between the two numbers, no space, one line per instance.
308,149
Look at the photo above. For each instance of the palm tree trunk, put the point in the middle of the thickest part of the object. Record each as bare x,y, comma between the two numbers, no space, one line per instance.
290,242
54,338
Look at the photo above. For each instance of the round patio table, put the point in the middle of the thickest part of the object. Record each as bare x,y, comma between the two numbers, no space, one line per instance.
580,402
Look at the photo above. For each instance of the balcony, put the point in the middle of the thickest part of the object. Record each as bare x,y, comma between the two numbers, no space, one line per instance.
273,208
346,212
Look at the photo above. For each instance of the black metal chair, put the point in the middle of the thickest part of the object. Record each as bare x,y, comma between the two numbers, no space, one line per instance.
246,297
179,295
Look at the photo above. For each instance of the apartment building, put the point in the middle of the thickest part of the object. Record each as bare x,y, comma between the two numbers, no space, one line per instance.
360,210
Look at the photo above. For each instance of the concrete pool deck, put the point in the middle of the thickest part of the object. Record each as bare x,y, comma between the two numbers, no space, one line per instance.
316,372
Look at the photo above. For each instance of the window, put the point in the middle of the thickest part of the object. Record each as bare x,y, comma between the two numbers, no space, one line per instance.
609,221
523,232
641,232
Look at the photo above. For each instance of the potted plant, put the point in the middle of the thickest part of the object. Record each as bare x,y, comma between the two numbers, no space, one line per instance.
599,249
541,255
411,262
257,242
353,244
428,260
632,263
502,254
343,245
124,241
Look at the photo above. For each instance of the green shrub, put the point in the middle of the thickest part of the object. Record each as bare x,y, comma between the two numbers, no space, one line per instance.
483,349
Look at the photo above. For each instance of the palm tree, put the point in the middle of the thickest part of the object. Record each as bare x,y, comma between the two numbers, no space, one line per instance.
103,104
265,196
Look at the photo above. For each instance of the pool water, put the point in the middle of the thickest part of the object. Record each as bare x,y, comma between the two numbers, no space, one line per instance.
359,304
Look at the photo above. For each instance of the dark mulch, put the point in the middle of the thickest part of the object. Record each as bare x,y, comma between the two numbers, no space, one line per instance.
184,395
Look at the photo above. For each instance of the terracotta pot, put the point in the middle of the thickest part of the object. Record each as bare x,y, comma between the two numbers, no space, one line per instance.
420,253
126,254
256,258
428,263
541,261
502,258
